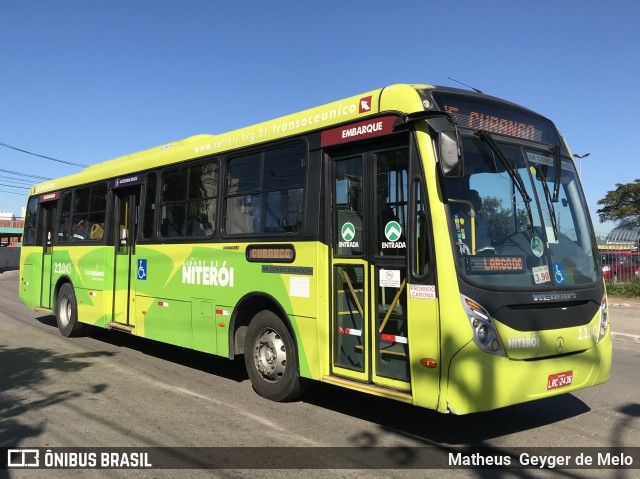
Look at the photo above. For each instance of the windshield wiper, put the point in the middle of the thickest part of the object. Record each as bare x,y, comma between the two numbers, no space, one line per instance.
556,183
511,170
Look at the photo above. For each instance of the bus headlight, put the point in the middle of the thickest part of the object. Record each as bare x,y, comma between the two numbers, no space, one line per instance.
485,334
604,319
482,333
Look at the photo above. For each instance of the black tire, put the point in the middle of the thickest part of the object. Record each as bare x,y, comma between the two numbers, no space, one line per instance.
271,360
67,313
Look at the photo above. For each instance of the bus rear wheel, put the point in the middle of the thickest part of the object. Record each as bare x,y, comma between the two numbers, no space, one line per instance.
67,313
270,358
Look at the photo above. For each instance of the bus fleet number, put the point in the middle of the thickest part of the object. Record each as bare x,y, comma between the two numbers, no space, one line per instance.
587,333
62,268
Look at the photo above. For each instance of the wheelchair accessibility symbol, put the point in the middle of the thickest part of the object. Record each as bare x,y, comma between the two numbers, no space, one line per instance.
558,273
142,269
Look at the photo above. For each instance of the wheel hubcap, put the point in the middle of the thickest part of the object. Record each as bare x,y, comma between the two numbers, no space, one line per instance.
270,355
65,311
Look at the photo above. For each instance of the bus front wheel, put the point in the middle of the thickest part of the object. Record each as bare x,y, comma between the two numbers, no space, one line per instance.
67,313
270,358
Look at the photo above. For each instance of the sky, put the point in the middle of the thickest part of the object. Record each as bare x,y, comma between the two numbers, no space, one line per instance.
84,82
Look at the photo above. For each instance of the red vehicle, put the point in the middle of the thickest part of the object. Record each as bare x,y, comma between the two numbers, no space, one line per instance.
620,266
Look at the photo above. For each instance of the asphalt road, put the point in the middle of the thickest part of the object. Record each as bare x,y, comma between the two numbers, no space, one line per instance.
113,390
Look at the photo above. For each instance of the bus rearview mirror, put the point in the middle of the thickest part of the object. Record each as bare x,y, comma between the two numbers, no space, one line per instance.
451,163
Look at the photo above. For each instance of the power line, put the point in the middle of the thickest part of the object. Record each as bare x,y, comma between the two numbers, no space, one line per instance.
24,174
19,187
20,180
41,156
13,192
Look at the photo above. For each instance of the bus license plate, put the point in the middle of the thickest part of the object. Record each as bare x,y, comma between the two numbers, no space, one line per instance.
559,380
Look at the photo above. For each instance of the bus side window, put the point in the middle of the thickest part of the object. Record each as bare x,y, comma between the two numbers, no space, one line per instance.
172,221
264,191
421,265
89,210
188,201
31,222
149,206
64,220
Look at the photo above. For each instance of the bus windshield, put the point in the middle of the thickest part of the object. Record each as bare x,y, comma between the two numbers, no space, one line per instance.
508,227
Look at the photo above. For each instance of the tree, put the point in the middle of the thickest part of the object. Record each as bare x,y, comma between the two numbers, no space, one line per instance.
622,205
501,219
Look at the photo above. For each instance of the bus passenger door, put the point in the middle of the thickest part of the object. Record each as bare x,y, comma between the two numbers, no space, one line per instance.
350,274
126,211
47,218
369,328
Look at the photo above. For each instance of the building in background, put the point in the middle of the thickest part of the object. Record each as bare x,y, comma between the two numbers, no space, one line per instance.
10,229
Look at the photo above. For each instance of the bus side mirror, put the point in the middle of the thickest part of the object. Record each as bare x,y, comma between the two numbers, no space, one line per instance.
450,152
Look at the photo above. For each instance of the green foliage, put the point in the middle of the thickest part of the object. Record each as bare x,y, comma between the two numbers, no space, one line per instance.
626,290
622,205
501,219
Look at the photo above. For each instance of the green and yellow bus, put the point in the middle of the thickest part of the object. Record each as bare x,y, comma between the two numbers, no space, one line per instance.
424,244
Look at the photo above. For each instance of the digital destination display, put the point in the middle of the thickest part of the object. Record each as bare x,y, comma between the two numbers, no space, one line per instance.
271,253
495,264
485,114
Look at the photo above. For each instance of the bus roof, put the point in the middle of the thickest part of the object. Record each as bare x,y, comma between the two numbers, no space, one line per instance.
395,98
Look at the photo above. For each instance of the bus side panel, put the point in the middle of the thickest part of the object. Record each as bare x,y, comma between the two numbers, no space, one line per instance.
425,332
91,307
37,276
219,276
323,315
60,265
221,319
298,293
306,335
47,282
169,321
90,273
29,284
165,309
204,322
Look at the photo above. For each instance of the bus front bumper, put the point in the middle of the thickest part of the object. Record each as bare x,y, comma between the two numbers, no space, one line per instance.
478,381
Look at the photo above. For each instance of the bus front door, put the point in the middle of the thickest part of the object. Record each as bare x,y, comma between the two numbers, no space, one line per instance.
127,206
369,322
47,218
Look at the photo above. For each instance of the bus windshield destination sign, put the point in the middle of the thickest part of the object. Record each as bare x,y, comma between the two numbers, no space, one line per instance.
476,120
492,116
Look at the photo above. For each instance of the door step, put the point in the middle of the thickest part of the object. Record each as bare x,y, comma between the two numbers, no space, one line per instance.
370,388
127,328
